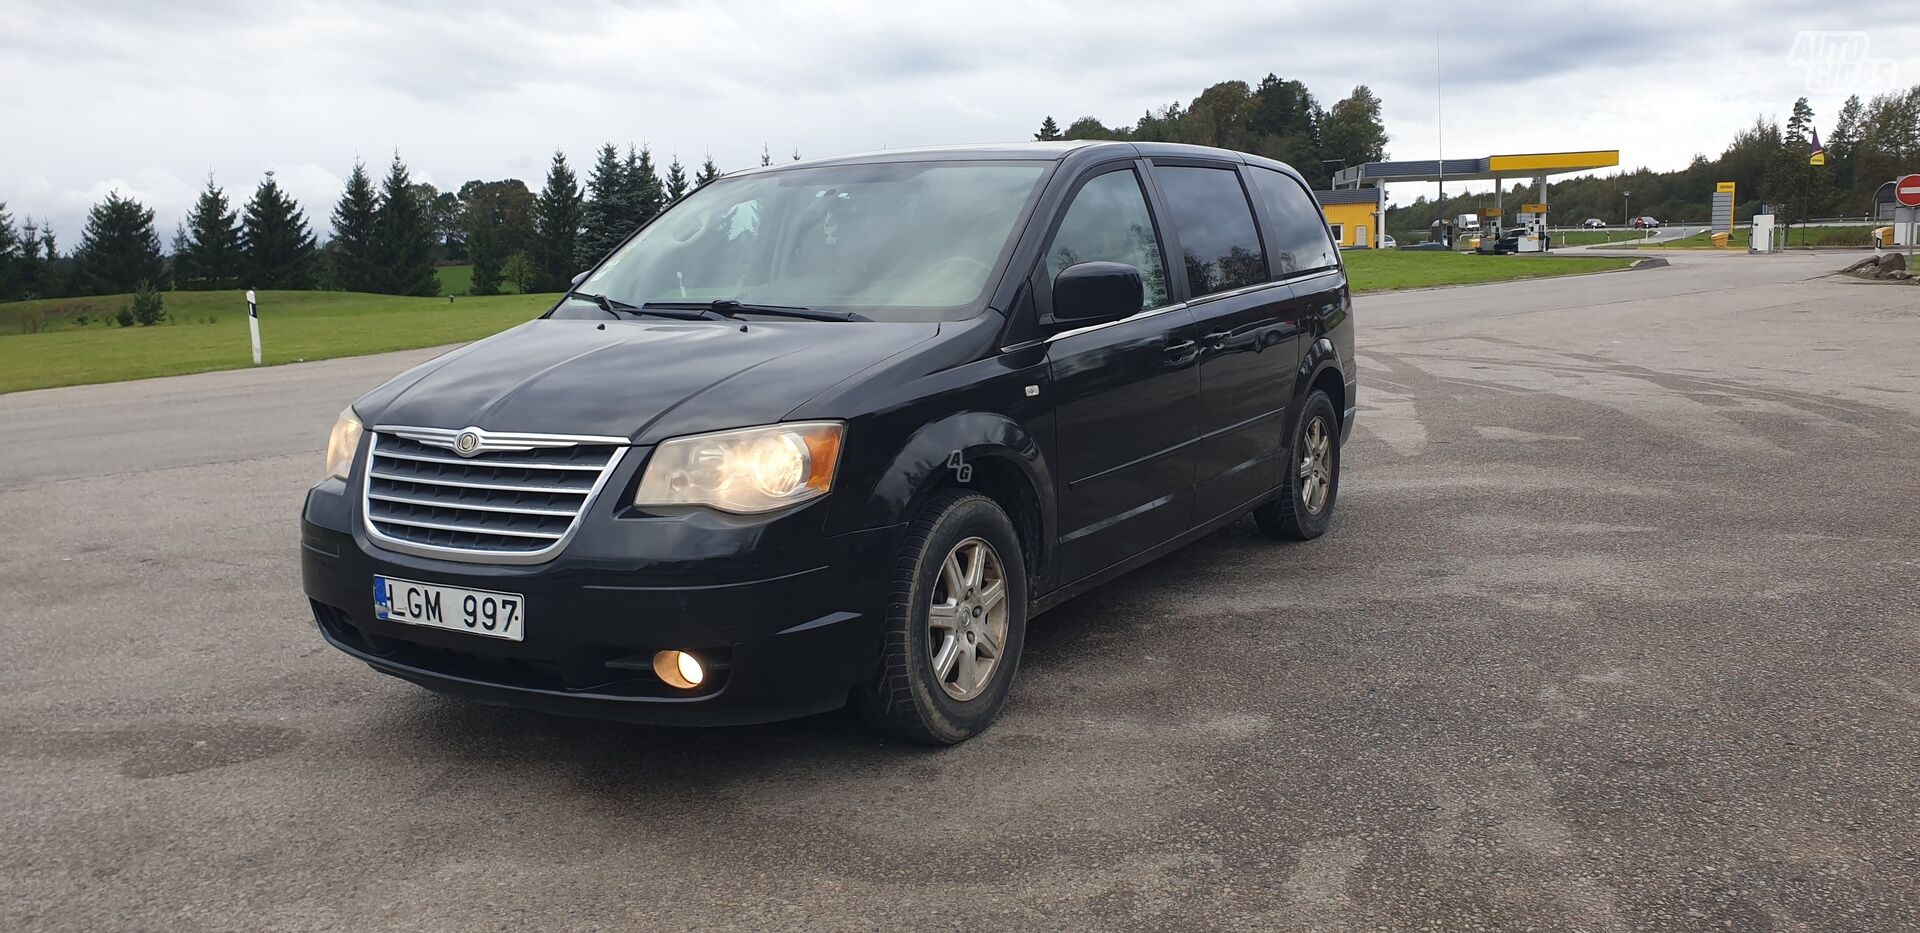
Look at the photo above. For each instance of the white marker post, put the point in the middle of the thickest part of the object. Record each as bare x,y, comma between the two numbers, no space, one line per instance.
253,325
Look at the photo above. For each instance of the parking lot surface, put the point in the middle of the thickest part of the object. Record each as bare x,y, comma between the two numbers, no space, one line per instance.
1616,628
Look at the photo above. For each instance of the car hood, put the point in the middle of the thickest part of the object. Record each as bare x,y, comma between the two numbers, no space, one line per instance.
639,379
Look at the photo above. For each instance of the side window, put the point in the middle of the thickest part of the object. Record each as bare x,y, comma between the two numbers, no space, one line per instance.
1108,222
1300,241
1219,243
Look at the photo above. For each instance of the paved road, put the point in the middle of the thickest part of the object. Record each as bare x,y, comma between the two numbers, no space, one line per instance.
1616,629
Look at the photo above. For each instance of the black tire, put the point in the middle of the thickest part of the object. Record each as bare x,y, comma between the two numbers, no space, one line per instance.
1289,517
906,698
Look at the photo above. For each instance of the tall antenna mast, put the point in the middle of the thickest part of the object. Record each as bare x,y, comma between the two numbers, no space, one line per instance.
1439,130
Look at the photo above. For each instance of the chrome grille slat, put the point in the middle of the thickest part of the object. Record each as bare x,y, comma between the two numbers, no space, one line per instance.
517,500
482,506
508,532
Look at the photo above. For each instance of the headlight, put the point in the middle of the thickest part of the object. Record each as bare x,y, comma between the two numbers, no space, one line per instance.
341,444
749,470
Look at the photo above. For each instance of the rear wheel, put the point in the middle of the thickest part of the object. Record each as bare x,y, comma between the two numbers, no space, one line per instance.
956,621
1305,504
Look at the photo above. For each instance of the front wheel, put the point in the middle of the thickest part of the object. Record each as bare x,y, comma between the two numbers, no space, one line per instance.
1305,505
956,621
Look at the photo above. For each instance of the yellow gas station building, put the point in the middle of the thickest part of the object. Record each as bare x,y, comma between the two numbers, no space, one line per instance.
1347,206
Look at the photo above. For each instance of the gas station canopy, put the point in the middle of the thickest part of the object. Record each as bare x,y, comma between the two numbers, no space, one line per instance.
1489,168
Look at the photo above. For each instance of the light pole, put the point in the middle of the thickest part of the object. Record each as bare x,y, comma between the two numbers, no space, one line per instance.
1626,219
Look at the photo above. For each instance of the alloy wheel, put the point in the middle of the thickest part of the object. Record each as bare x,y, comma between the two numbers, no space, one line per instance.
967,619
1316,466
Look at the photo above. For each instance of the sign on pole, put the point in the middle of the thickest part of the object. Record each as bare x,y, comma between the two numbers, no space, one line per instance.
1723,207
1907,190
253,325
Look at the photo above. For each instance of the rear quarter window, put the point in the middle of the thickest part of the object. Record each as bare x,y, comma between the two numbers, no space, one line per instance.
1299,236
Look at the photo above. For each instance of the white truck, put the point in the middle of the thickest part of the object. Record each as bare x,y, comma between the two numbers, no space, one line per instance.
1467,222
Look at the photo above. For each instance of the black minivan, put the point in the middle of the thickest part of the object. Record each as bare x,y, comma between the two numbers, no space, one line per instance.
836,430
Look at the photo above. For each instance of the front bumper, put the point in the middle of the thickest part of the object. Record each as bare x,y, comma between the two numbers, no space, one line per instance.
779,642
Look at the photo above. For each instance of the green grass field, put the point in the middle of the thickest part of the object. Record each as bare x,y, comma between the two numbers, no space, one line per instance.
45,343
208,331
1373,270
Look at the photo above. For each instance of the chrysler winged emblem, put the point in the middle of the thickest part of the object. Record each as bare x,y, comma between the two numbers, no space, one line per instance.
467,443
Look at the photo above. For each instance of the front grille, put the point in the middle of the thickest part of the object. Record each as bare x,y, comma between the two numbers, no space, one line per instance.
516,500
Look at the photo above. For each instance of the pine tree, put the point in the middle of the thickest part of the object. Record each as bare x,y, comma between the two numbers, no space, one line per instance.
676,179
180,257
279,248
119,248
649,195
1049,130
403,237
708,172
766,155
607,210
12,263
354,268
213,243
557,217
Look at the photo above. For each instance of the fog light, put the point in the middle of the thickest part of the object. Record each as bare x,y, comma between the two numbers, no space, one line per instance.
679,669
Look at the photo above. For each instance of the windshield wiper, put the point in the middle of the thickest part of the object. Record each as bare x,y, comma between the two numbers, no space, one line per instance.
617,307
730,308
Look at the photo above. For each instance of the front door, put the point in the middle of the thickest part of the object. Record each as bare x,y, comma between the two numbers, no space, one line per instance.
1126,391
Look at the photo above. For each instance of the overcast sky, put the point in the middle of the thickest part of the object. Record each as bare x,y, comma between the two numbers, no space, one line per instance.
147,97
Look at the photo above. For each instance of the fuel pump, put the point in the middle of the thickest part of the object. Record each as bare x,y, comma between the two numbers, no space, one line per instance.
1489,231
1532,229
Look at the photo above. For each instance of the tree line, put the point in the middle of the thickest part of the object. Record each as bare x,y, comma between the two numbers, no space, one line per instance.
387,237
1872,142
1279,119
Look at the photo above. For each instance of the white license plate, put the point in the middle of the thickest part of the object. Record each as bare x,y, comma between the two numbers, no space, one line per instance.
479,612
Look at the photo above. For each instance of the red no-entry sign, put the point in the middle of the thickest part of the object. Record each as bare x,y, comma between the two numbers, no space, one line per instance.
1907,190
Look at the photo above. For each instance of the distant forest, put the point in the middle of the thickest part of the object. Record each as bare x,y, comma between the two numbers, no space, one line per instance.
1869,143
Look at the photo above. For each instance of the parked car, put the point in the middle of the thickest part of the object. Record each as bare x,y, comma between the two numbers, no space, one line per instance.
1387,241
1593,223
837,430
1645,223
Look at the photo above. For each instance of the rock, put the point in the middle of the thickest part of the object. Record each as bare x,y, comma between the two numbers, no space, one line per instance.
1862,265
1891,262
1900,274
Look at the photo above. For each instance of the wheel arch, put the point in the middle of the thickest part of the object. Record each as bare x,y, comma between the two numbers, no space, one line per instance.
981,451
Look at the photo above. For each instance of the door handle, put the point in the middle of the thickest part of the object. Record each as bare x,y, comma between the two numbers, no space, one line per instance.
1177,352
1217,339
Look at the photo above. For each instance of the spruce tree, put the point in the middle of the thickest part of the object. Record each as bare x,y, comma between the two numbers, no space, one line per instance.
403,237
708,172
354,268
1049,130
180,256
676,179
607,211
213,243
12,262
119,248
557,217
279,248
649,194
766,155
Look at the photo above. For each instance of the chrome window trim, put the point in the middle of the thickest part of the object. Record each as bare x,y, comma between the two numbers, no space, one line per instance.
1139,315
1231,292
444,436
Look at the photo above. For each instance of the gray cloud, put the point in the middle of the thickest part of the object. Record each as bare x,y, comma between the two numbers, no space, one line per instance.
148,97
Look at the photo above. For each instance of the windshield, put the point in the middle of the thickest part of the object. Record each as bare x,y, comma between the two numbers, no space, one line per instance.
904,241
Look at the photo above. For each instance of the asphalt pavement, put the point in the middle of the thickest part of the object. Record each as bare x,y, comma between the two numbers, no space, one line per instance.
1615,629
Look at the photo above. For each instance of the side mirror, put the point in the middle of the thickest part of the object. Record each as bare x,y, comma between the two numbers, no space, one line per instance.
580,277
1094,290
